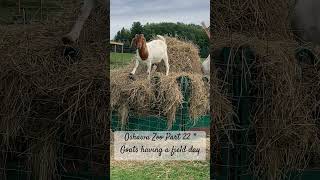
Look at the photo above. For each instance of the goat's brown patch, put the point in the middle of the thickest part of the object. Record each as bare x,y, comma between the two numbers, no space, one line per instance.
140,43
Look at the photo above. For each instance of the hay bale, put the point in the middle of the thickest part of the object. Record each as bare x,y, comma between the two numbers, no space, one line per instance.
159,96
263,19
285,129
44,95
183,56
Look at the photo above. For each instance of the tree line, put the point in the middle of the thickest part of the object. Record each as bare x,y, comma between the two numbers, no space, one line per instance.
190,32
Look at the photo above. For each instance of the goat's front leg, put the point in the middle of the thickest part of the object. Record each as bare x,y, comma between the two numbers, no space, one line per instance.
149,64
166,62
135,67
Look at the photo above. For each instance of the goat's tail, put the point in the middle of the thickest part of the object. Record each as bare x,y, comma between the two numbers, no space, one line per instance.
162,38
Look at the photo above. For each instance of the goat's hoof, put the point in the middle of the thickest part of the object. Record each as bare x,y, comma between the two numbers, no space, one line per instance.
205,79
131,76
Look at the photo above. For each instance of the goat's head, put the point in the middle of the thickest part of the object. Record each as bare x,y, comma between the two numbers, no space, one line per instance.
138,41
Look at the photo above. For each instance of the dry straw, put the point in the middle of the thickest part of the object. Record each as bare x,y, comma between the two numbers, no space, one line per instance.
45,97
286,131
287,136
264,19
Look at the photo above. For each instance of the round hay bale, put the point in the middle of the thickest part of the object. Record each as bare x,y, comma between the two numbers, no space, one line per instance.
183,57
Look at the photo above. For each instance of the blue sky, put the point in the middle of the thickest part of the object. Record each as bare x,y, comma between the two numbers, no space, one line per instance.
124,12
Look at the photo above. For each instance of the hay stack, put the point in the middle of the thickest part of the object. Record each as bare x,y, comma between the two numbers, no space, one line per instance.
183,56
264,19
286,131
162,96
46,100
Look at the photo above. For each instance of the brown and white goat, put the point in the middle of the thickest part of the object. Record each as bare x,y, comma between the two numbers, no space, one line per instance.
150,53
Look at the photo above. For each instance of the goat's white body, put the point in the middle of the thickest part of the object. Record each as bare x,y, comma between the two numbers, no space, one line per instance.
157,51
206,67
306,20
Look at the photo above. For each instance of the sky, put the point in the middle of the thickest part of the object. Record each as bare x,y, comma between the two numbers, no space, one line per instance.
124,12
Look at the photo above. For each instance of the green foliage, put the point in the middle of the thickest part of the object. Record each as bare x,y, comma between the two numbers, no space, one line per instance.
124,36
136,28
190,32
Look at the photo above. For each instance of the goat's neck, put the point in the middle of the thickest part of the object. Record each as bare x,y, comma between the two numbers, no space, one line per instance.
143,52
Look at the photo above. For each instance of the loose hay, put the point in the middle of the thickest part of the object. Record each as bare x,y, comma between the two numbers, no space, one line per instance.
286,132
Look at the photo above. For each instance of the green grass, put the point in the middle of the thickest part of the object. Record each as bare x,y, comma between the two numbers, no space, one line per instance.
120,59
161,170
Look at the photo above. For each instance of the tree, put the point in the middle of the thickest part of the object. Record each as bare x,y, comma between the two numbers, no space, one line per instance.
123,35
136,28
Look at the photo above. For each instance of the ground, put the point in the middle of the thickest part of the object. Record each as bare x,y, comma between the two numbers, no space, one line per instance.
160,170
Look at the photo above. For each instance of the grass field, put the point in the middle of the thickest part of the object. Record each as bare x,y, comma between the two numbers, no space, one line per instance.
120,59
179,170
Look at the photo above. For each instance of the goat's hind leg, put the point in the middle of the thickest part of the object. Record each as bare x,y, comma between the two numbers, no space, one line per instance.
149,65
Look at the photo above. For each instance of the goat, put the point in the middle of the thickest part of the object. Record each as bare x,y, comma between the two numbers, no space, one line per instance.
206,63
150,53
305,20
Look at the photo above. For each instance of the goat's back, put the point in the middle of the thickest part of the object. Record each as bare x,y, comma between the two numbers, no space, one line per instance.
157,49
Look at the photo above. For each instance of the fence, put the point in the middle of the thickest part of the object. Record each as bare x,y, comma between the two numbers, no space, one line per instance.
26,12
238,78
